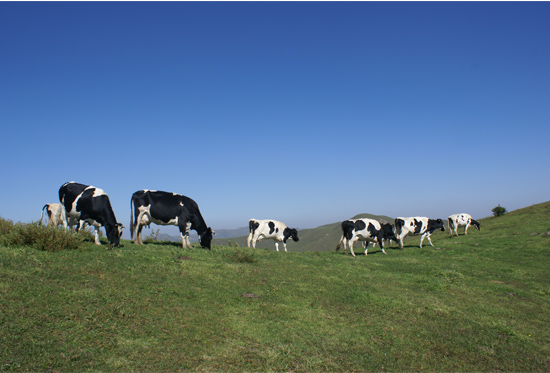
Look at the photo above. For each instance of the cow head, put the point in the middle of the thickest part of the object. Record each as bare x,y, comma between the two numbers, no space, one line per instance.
290,233
114,232
388,231
435,224
475,224
206,238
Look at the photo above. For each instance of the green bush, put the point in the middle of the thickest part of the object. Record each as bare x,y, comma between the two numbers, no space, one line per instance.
244,256
499,210
38,236
152,237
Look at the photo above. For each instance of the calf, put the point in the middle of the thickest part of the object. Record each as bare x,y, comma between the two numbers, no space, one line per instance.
164,208
368,230
54,211
272,229
417,225
457,220
55,216
88,204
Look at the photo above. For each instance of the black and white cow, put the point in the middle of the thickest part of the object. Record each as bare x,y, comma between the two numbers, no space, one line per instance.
88,204
368,230
164,208
457,220
417,225
272,229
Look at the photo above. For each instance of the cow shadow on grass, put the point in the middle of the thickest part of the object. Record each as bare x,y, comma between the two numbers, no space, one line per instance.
374,250
194,245
104,243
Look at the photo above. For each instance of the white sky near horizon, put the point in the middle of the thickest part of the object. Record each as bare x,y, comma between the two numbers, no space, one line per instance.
304,112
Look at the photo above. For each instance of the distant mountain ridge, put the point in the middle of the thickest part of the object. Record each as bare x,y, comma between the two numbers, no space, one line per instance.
219,234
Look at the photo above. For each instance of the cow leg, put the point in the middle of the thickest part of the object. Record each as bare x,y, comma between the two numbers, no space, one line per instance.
137,237
381,242
184,232
367,247
350,244
340,243
429,239
96,238
255,238
284,243
400,238
425,235
96,231
187,231
249,239
466,229
183,241
139,227
344,242
277,245
64,217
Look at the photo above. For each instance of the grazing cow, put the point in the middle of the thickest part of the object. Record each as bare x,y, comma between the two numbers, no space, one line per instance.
163,208
457,220
88,204
368,230
54,211
417,225
272,229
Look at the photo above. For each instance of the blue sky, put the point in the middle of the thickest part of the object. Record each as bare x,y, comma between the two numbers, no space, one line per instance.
304,112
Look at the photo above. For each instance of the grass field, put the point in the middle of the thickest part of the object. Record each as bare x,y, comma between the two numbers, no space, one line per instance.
474,303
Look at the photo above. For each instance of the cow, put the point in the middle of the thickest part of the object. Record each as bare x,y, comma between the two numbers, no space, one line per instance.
417,225
457,220
368,230
54,214
164,208
272,229
88,204
55,217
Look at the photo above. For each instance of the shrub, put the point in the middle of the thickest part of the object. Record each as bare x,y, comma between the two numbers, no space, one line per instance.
499,210
153,237
244,256
5,226
37,236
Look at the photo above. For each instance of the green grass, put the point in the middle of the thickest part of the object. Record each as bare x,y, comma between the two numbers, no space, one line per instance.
474,303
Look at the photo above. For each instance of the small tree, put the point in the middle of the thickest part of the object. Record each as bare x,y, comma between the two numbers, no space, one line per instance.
499,210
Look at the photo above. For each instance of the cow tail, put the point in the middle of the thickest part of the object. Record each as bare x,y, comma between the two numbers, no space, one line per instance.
340,243
42,213
132,217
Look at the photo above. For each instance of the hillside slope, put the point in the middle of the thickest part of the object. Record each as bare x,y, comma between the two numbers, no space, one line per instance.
475,303
326,237
320,239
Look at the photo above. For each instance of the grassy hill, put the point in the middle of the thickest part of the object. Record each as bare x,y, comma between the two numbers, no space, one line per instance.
323,238
472,303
